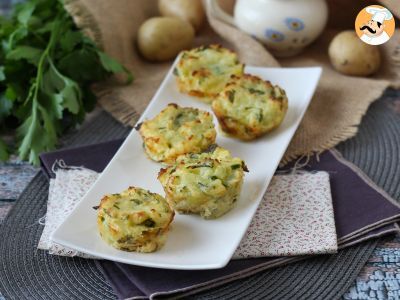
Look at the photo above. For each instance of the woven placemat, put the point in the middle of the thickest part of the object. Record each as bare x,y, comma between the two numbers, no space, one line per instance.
376,148
27,273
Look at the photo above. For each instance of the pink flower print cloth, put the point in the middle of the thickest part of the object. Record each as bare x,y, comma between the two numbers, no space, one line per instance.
295,218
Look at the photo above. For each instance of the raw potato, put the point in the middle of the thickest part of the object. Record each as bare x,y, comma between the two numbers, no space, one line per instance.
349,55
189,10
162,38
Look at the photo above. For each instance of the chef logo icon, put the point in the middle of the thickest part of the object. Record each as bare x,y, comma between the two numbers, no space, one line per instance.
375,25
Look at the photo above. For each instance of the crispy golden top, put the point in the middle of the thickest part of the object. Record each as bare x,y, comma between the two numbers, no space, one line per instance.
177,130
249,106
204,71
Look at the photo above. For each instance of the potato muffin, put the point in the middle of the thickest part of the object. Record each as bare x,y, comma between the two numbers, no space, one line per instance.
249,107
207,184
204,71
175,131
134,220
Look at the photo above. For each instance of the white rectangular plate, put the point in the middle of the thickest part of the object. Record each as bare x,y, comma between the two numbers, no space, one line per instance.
193,243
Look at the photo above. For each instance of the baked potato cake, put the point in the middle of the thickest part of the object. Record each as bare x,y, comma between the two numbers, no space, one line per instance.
177,130
204,71
207,184
134,220
249,107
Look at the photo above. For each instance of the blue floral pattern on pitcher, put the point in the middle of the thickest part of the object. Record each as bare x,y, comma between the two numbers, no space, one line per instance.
274,35
294,24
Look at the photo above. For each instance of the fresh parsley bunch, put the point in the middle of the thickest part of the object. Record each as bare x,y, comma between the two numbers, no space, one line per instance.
47,67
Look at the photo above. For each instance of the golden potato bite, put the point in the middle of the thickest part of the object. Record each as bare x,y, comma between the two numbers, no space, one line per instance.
249,107
134,220
177,130
207,184
204,71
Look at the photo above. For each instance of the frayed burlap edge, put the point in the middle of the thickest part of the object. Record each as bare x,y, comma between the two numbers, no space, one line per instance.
107,96
299,147
111,102
395,61
84,20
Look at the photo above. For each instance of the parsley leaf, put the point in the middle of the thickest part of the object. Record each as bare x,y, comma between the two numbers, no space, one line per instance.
31,54
47,68
3,150
25,12
111,65
5,107
70,40
2,75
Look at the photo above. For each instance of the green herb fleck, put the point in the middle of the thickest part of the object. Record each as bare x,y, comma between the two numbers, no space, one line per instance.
137,201
231,96
214,177
277,93
205,165
125,239
106,212
234,167
177,121
202,185
116,205
217,70
255,91
183,189
175,72
149,223
260,116
211,148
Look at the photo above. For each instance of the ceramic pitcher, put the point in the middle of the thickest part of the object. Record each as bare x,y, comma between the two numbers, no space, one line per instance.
285,27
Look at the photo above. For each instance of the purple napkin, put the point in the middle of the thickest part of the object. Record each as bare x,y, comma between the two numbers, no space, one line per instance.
94,157
362,211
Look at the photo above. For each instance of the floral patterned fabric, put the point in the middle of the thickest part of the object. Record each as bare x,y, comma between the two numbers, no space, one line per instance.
295,218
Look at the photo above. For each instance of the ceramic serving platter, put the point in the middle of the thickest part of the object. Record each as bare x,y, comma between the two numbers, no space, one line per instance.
193,243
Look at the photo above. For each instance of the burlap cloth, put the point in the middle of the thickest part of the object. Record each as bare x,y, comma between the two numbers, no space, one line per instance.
334,113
